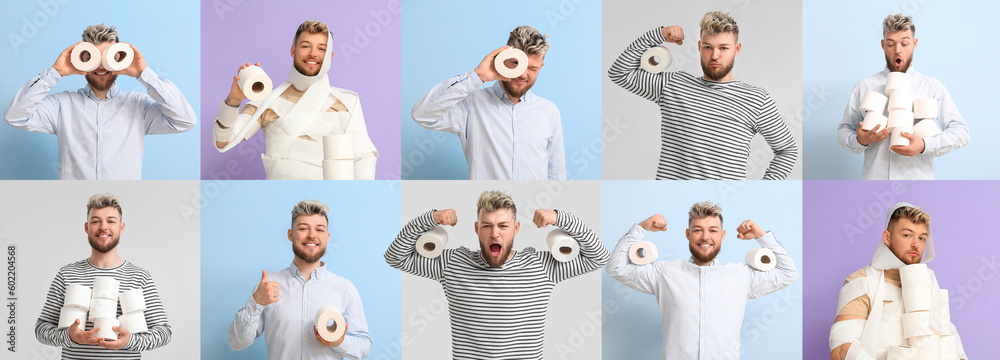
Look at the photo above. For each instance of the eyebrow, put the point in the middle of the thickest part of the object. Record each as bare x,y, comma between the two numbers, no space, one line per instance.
99,218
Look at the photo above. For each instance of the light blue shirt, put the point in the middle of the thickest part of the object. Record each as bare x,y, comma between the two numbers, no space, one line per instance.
701,307
100,139
287,324
501,140
883,164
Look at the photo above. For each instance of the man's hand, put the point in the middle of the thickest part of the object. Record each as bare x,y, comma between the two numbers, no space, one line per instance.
654,223
267,291
445,217
749,230
673,34
867,137
330,343
486,71
123,337
138,64
545,218
916,145
64,66
236,94
83,337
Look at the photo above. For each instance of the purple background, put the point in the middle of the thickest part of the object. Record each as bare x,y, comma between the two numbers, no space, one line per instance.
366,59
963,216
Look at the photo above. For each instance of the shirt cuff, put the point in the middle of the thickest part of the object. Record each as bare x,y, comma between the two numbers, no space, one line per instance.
768,240
475,79
637,232
52,76
253,308
147,76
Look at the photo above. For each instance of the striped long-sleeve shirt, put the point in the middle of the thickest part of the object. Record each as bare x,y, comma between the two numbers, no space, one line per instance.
497,313
706,125
83,273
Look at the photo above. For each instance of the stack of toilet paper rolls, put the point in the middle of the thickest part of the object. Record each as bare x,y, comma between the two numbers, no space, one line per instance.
104,307
902,111
76,303
133,316
338,157
930,332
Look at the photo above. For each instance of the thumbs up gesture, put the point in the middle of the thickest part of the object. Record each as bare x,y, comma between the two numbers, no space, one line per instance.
267,291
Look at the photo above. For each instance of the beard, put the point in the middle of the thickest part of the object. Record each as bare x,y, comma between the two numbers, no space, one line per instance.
514,91
300,253
495,262
703,259
902,255
890,62
99,86
716,74
96,245
302,71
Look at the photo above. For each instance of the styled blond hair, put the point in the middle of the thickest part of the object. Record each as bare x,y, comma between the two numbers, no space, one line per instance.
309,207
704,209
717,22
311,27
913,214
529,40
98,34
897,22
494,200
100,201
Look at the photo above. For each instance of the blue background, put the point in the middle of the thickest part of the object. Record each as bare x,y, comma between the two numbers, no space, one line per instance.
443,39
244,229
840,46
771,329
166,32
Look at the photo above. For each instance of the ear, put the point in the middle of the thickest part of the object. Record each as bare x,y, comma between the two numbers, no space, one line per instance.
723,236
476,230
292,51
517,227
881,44
915,41
699,45
738,47
86,226
121,228
289,234
687,232
885,237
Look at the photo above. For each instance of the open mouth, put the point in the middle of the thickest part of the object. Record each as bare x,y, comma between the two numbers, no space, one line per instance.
310,245
103,236
899,61
312,62
705,245
101,73
495,249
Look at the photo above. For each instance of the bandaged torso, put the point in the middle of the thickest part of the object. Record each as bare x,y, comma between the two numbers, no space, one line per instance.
891,329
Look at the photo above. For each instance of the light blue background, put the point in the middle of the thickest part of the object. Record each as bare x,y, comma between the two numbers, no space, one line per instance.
841,46
772,325
443,39
166,32
244,230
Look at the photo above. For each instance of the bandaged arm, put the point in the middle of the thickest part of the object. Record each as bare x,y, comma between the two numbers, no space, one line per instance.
228,125
845,332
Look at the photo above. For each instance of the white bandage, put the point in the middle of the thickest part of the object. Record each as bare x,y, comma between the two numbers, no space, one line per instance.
856,352
846,331
225,117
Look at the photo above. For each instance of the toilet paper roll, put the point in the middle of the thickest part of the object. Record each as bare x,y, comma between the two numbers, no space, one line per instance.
873,101
642,253
338,147
656,59
563,247
926,128
915,275
917,324
100,308
897,80
761,259
133,322
88,51
330,330
431,243
944,315
338,169
899,118
69,314
106,288
925,108
902,352
929,346
117,57
132,301
254,83
78,296
511,63
901,100
917,298
106,325
896,138
949,347
874,118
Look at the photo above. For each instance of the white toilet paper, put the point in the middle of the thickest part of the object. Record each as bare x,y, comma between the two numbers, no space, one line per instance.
255,83
106,324
944,315
338,169
925,108
874,118
899,118
873,101
917,324
78,296
902,352
917,298
101,307
106,288
117,57
915,275
926,128
511,63
431,243
338,147
642,253
901,100
132,301
330,331
761,259
88,51
949,347
69,314
929,346
656,59
563,247
897,80
896,138
133,322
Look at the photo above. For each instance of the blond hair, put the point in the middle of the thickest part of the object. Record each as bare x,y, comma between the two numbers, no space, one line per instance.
897,22
717,22
704,209
309,207
913,214
494,200
311,27
99,34
100,201
529,40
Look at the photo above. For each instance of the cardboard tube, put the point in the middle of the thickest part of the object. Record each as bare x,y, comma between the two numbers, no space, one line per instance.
85,57
656,59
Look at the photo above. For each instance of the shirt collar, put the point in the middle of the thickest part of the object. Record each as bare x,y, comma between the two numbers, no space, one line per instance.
112,92
502,94
318,274
714,261
909,71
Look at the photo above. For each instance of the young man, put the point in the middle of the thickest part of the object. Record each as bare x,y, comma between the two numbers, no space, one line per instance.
875,292
915,161
487,288
104,227
707,122
297,292
702,302
101,130
507,131
298,114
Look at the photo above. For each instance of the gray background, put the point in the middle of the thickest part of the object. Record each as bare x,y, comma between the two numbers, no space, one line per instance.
162,222
572,327
770,58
